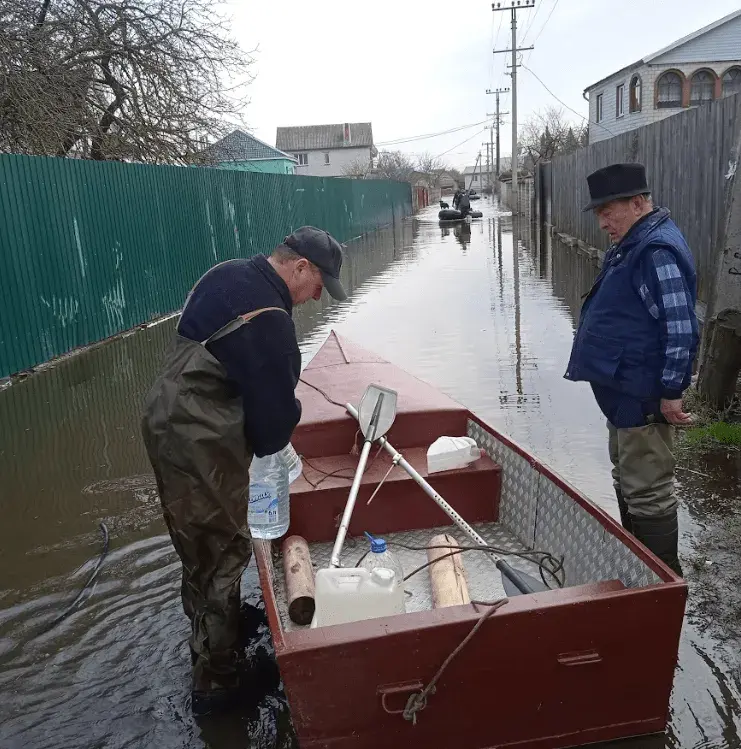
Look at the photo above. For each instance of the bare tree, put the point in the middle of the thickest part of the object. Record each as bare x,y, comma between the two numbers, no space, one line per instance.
360,168
141,80
432,166
544,134
395,165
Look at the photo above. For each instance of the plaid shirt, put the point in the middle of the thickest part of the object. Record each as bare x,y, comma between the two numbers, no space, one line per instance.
679,324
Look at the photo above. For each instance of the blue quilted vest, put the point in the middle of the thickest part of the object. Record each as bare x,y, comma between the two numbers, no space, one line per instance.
618,343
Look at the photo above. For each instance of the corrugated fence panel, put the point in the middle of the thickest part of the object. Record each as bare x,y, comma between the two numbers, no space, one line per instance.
686,157
91,249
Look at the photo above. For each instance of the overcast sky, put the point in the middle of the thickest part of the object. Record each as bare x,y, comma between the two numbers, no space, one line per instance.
412,68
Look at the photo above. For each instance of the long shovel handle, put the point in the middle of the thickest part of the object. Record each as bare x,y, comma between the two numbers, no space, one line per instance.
342,532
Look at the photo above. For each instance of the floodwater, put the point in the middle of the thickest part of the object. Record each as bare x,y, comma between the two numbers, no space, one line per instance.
484,312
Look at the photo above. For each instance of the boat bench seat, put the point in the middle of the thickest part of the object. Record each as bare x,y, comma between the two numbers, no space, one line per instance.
318,497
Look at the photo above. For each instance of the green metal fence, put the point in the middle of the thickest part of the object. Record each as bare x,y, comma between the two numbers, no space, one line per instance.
90,249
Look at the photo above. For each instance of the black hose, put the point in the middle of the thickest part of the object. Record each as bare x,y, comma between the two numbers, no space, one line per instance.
548,563
104,553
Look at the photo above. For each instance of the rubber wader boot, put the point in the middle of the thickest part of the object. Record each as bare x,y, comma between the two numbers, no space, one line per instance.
214,701
660,534
626,519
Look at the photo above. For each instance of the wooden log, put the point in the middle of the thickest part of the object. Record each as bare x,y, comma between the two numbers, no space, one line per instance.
447,576
721,362
299,579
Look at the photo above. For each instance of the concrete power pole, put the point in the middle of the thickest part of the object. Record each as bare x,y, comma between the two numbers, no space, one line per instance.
497,120
488,163
514,6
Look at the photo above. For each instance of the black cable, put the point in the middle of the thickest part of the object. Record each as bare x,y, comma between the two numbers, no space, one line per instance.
104,553
555,567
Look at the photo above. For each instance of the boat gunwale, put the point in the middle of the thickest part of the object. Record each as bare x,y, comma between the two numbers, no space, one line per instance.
667,575
311,640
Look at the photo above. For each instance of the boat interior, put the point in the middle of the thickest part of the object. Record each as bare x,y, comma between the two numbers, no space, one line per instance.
517,504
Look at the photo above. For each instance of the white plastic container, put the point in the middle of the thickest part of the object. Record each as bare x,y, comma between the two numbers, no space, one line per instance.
354,594
447,453
293,461
269,509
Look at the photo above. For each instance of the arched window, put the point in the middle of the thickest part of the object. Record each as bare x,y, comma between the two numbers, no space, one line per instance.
702,87
732,81
669,88
635,94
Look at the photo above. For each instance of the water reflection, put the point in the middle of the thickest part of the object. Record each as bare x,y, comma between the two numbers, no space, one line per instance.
483,311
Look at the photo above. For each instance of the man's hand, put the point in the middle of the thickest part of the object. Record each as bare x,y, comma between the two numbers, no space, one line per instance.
673,413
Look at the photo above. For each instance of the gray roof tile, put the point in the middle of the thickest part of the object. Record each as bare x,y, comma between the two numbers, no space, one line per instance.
240,146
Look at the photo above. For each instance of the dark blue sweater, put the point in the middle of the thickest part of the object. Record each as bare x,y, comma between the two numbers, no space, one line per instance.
262,358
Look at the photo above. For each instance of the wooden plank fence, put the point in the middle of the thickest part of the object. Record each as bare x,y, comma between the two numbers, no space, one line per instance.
688,158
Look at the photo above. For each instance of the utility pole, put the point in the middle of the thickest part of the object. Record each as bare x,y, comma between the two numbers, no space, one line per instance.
514,6
488,163
497,119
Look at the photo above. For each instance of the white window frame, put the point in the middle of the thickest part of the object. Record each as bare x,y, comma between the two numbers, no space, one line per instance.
326,158
599,108
619,100
302,158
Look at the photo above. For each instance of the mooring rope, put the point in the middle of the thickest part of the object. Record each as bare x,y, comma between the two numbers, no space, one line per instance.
418,701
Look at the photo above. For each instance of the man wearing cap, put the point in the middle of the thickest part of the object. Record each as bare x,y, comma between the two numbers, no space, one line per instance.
635,343
224,394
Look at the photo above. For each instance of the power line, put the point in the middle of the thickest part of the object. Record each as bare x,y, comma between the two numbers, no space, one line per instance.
532,21
586,119
429,135
461,143
546,23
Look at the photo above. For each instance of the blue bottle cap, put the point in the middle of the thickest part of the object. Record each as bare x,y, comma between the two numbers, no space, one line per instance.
378,545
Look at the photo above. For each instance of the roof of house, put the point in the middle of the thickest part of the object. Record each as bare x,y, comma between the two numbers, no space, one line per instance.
674,45
240,146
324,137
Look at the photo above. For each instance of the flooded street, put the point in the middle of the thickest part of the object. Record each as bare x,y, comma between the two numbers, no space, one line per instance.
485,313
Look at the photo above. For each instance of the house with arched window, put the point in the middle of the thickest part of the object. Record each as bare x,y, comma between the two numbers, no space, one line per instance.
698,69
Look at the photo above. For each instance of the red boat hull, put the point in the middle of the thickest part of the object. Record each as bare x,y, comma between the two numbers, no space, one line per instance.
586,663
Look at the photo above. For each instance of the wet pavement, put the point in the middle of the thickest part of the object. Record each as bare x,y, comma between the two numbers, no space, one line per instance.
486,319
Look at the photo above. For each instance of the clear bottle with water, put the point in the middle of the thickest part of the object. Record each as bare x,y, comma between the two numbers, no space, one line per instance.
381,557
293,461
269,509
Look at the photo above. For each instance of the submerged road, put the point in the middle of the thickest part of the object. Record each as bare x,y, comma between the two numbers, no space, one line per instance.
485,313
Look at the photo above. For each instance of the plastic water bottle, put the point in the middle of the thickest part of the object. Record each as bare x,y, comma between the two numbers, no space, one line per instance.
381,558
269,509
293,461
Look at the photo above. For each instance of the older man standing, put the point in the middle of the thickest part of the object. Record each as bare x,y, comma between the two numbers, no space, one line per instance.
636,339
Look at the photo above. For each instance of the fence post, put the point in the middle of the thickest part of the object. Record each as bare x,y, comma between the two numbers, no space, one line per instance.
726,290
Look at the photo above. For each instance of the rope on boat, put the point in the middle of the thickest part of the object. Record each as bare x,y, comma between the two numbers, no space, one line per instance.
418,701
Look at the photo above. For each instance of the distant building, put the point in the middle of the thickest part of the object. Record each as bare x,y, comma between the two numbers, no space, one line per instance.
699,68
480,179
244,152
328,150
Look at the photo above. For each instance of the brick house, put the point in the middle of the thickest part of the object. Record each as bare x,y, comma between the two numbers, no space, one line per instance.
696,69
328,150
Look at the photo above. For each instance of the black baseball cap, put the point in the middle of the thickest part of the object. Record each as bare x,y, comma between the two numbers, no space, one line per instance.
322,249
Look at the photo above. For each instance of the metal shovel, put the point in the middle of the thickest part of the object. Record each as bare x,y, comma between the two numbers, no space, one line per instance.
376,415
515,582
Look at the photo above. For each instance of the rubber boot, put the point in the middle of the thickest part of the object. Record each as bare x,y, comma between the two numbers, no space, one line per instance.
660,534
626,519
214,701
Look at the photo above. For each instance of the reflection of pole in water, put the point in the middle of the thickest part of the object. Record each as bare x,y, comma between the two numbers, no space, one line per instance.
516,268
499,259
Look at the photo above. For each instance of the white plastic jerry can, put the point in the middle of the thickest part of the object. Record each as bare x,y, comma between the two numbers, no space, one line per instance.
353,594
